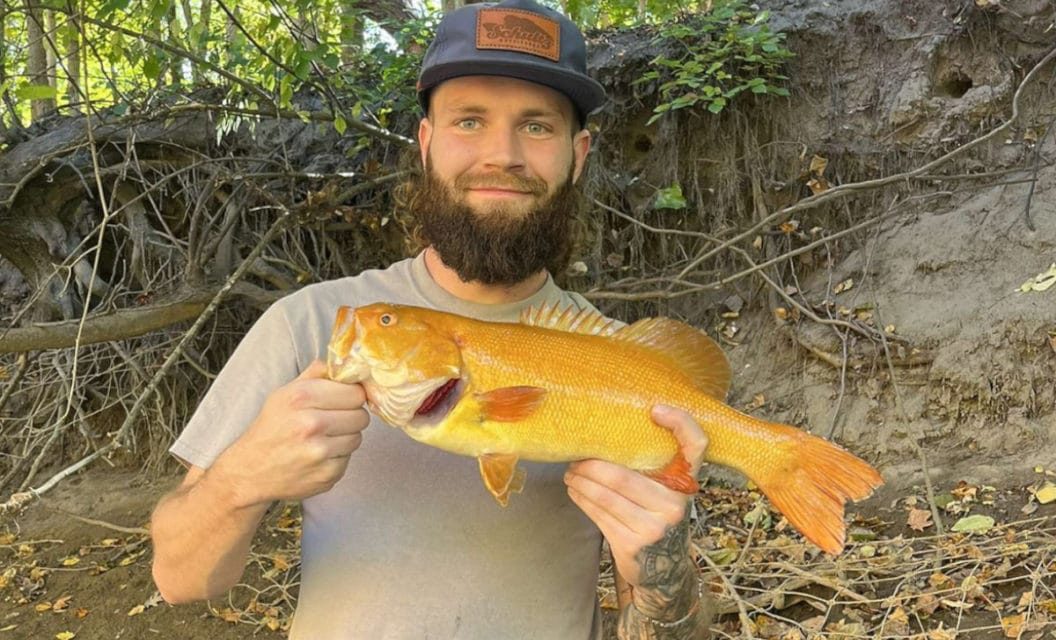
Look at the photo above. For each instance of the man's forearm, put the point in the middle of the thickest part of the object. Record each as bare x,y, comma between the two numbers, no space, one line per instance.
667,605
201,540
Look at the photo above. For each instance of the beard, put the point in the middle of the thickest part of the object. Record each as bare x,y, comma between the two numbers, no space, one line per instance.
505,244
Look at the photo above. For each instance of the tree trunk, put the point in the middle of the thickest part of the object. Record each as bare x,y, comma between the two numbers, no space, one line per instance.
450,5
3,66
351,31
73,53
50,47
37,60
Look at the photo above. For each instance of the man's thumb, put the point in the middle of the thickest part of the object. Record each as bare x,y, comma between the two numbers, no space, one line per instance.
317,369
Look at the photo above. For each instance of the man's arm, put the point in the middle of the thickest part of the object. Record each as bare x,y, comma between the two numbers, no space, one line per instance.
202,508
647,527
298,446
651,610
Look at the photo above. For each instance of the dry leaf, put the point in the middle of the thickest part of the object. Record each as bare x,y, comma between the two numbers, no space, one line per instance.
136,610
65,635
789,227
70,561
1012,625
919,519
818,164
1046,494
61,604
41,607
846,285
81,613
818,185
926,604
942,634
1040,282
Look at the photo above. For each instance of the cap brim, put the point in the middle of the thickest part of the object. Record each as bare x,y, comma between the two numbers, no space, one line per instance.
584,92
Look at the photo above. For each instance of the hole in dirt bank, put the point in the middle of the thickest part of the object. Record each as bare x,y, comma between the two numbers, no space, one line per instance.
643,144
954,85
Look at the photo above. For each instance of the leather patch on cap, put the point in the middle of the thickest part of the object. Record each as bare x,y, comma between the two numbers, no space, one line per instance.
518,30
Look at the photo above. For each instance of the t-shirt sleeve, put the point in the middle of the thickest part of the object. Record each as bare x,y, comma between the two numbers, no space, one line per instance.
266,359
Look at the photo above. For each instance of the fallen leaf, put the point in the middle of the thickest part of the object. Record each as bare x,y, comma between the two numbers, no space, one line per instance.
919,519
136,610
789,227
926,604
71,561
1040,282
65,635
973,524
965,492
1046,494
942,634
61,604
81,613
41,607
1012,625
818,164
846,285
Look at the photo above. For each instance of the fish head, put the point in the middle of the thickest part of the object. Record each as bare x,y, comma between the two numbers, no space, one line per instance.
408,365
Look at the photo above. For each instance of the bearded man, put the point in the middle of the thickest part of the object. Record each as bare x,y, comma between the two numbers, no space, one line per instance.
400,540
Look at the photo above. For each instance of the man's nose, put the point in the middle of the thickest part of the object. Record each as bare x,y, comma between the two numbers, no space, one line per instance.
502,150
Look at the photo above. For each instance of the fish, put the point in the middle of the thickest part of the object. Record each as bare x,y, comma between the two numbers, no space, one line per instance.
564,384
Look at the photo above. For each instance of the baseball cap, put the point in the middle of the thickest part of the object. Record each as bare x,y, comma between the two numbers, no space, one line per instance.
514,38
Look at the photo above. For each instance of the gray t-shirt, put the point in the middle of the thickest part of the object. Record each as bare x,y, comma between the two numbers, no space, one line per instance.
409,544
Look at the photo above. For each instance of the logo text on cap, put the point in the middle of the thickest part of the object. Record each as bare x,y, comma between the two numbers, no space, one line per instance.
517,30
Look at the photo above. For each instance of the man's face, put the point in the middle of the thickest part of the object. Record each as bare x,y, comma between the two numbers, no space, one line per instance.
501,156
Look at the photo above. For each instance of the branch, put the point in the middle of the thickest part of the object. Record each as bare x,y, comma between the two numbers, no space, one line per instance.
123,323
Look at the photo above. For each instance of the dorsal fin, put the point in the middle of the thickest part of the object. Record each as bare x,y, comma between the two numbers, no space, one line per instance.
688,349
569,319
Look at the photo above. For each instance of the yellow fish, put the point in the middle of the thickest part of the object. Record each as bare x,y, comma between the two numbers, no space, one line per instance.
567,385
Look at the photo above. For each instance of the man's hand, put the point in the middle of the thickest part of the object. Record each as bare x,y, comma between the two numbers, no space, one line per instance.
300,442
648,532
635,512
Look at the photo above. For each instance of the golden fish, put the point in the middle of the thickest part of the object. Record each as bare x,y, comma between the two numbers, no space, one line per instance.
567,385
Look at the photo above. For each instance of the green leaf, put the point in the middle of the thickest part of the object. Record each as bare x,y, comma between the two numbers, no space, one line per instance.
670,198
974,524
340,125
35,92
151,67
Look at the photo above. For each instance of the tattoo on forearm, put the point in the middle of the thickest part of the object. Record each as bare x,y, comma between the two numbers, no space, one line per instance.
666,604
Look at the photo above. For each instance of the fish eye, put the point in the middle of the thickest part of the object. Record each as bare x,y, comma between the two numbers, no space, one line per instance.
386,319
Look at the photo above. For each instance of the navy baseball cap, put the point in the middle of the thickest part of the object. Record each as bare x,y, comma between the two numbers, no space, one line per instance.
514,38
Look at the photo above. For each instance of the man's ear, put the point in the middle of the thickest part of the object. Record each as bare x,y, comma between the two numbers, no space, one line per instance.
425,134
580,148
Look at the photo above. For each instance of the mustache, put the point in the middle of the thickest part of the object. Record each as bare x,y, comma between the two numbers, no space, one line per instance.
508,181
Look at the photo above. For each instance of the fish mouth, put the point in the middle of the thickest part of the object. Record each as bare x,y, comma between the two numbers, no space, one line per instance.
438,404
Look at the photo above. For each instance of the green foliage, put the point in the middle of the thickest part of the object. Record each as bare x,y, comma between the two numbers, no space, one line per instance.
722,54
670,198
605,14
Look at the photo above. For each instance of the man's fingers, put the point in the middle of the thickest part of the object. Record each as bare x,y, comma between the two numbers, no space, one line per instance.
691,438
327,394
345,422
343,446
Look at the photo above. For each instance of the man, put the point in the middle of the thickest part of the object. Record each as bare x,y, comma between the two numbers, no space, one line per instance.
401,540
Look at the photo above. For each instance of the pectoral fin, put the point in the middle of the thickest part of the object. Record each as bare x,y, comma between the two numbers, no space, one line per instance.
501,475
510,404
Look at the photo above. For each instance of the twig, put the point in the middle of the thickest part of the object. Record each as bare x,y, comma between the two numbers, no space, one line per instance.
98,523
746,622
1034,174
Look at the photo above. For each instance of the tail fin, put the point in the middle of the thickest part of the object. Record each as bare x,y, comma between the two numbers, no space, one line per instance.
810,485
